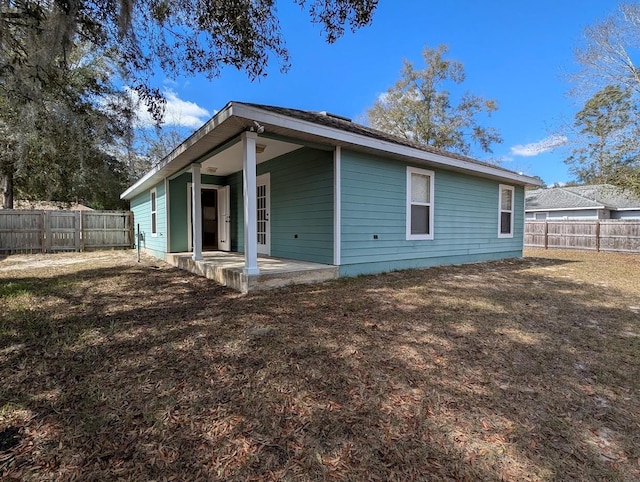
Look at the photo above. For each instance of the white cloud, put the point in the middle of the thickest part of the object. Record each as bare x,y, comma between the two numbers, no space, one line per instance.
177,112
535,148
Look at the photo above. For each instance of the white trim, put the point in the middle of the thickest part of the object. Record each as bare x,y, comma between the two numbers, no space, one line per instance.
502,187
249,188
167,215
224,218
189,215
327,134
153,212
524,216
164,164
337,205
429,204
359,140
196,211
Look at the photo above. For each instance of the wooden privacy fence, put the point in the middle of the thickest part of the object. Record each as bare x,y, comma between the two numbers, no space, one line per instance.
597,235
50,231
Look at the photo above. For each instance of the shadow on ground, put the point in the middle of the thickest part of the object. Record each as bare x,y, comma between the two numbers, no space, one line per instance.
498,371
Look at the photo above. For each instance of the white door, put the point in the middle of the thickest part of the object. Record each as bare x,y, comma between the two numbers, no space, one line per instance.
224,219
263,198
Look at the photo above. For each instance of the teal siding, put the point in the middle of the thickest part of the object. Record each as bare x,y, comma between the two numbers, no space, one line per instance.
141,207
386,266
301,206
465,218
179,208
373,199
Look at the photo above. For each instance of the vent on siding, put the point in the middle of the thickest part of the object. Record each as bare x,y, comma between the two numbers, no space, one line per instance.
335,116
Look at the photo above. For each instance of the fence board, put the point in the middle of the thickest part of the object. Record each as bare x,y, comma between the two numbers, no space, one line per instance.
24,231
107,228
597,235
21,231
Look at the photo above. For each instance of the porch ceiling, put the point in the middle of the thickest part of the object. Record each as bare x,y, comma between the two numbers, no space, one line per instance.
229,160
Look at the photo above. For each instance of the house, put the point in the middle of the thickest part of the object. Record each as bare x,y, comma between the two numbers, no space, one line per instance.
597,201
275,183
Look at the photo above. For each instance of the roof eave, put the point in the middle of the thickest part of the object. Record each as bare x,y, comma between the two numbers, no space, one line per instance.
166,162
328,133
342,137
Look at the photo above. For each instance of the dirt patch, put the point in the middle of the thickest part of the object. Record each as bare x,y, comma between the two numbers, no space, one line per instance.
514,370
48,261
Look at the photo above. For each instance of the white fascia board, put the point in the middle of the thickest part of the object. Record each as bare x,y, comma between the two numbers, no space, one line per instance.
626,209
338,135
164,164
163,168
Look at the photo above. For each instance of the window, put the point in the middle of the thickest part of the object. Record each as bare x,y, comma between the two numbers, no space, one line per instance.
154,213
541,215
419,203
505,228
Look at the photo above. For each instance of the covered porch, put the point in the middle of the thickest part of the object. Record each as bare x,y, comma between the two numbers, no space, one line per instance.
229,269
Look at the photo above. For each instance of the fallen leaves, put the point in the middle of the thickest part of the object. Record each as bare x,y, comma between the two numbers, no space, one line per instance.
515,370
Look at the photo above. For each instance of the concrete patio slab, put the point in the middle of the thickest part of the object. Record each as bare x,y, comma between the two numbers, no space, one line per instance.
227,269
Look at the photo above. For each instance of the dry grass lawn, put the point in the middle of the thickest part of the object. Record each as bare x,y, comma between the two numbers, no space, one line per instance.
515,370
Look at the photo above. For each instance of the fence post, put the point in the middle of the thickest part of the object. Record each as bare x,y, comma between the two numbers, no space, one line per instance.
138,242
43,236
76,232
546,234
598,235
131,229
47,231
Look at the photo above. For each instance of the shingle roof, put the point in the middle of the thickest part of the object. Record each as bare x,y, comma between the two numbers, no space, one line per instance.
608,195
308,126
596,196
338,122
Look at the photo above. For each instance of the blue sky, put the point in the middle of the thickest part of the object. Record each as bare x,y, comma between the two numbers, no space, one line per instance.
517,52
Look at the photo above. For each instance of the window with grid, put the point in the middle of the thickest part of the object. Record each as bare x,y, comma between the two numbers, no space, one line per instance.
154,213
419,203
505,221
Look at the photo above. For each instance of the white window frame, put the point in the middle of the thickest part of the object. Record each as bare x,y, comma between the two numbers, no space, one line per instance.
153,199
502,187
430,204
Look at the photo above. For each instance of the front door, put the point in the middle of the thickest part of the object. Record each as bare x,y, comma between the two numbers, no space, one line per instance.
216,217
263,198
209,219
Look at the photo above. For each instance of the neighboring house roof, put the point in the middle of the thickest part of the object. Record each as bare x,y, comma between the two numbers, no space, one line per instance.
49,205
318,128
595,196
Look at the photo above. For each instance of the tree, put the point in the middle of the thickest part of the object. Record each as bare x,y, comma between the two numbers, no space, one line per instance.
610,81
418,107
608,147
181,37
606,57
38,44
58,135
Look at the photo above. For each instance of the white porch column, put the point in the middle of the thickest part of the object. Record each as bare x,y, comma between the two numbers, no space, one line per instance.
337,205
250,203
196,209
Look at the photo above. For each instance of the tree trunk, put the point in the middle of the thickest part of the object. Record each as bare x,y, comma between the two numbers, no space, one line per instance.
6,185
